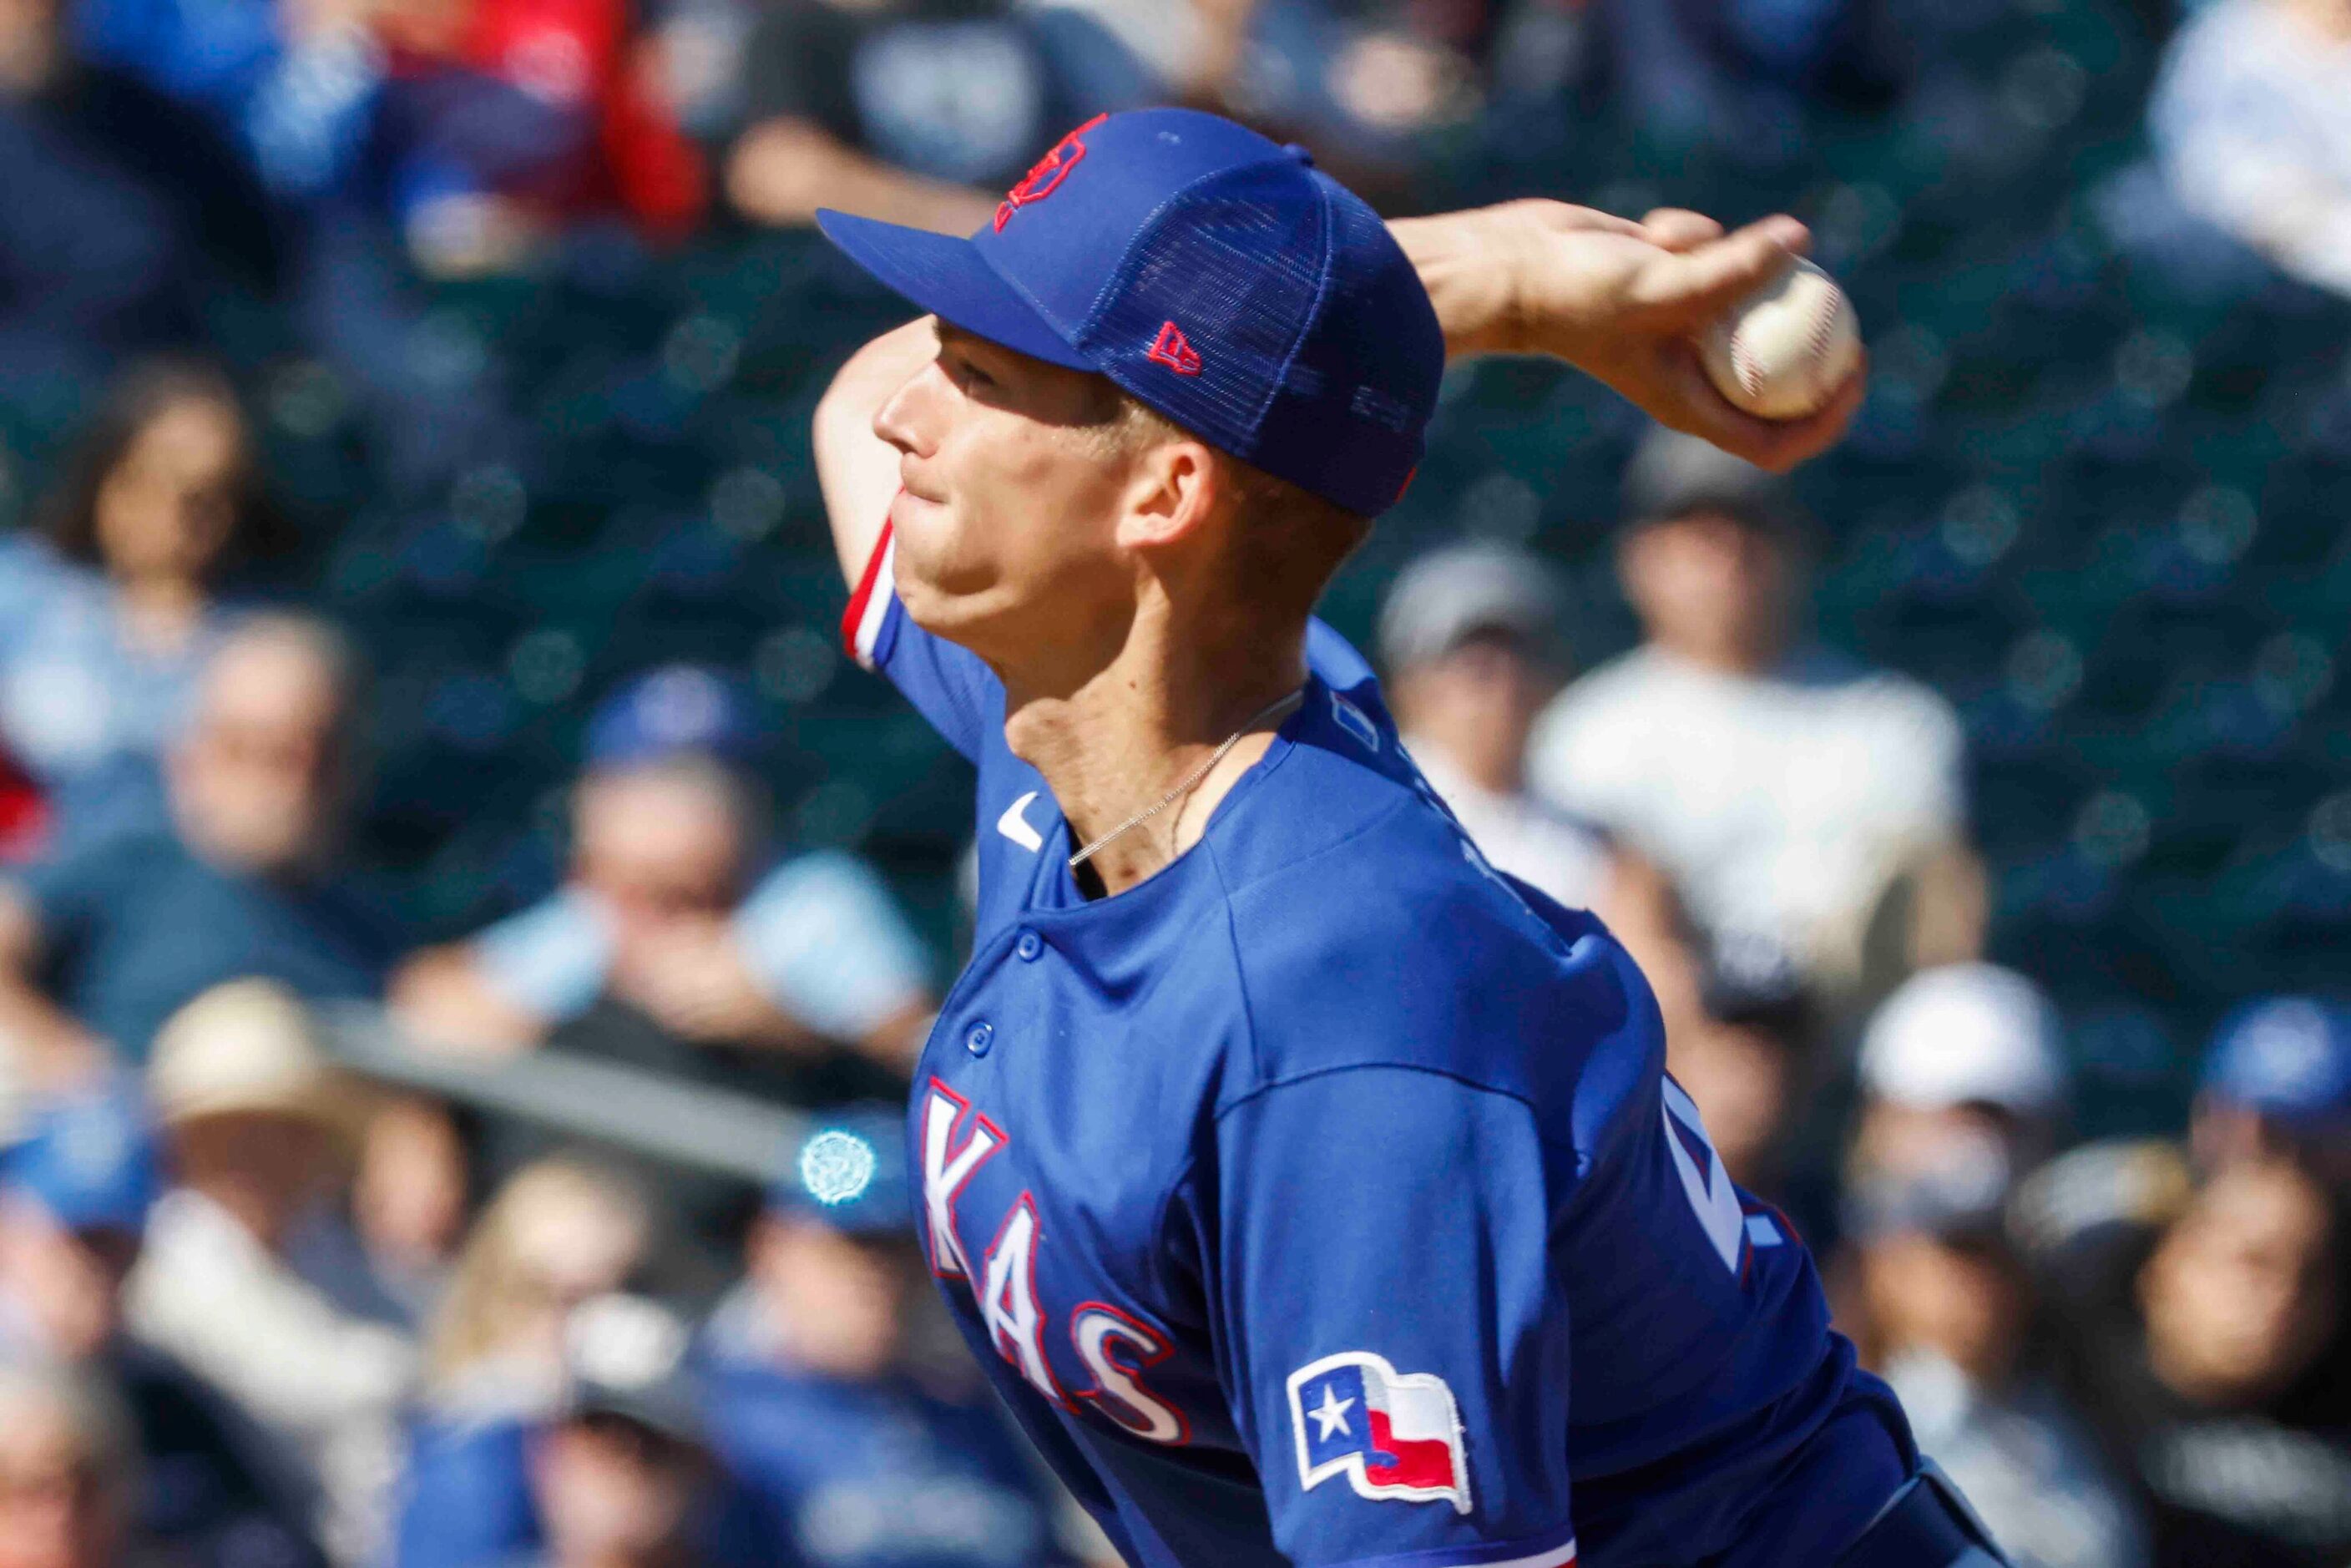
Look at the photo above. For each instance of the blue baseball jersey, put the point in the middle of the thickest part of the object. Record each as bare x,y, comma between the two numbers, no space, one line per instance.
1322,1199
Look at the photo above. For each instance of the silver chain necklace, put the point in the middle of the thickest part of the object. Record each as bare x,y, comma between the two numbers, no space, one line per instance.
1191,781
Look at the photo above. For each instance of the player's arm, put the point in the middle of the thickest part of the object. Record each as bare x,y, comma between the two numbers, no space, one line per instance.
858,473
1619,300
857,469
1394,1337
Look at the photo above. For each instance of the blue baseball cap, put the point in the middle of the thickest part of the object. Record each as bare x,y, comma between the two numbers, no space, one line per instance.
678,710
2288,1057
849,1174
1217,277
89,1161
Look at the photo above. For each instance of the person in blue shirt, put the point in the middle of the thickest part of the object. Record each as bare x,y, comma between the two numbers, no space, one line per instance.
106,625
1314,1193
619,1472
863,1452
99,947
672,907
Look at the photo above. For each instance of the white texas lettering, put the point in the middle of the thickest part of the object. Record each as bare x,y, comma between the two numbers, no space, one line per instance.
1114,1346
1101,1331
1008,1299
946,1170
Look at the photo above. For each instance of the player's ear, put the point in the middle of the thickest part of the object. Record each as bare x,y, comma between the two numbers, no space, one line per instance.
1173,489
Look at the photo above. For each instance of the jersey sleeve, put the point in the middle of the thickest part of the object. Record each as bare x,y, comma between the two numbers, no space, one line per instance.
1392,1338
948,685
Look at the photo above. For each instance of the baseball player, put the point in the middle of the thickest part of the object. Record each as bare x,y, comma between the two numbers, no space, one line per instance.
1313,1193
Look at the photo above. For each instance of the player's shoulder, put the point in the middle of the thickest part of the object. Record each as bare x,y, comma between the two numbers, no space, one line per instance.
1390,942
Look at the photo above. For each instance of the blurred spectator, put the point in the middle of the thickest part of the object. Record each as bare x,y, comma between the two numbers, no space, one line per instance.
120,213
1742,1057
250,1276
560,1232
67,1465
1369,84
1470,637
1790,795
482,123
503,119
293,84
2198,1328
408,1200
2252,127
74,1201
2277,1081
915,111
108,627
1725,68
667,911
624,1476
824,1400
23,811
2240,1297
100,948
1950,1307
614,1471
1967,1047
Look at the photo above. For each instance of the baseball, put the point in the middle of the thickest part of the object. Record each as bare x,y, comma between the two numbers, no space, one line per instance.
1783,351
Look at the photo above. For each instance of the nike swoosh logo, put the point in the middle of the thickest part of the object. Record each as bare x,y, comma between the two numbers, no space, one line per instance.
1015,826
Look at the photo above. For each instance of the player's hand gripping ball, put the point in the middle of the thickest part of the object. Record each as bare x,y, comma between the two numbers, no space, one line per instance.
1788,347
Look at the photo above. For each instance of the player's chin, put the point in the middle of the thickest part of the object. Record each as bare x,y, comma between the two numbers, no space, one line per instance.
948,609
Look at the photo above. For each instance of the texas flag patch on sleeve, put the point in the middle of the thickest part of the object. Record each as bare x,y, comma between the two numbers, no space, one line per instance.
1391,1434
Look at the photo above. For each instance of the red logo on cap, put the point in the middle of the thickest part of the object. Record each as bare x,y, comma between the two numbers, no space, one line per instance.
1175,351
1043,179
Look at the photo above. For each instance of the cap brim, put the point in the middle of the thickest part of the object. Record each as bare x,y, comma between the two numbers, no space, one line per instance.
946,276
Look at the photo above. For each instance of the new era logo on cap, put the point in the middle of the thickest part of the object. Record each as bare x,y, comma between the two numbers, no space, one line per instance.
1175,351
1215,276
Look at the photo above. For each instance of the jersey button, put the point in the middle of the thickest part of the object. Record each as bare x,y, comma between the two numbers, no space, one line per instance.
1030,946
979,1037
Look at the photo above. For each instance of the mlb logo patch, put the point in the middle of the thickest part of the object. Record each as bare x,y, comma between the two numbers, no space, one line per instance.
1391,1434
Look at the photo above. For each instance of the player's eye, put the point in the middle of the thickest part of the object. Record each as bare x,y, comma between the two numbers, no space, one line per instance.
966,373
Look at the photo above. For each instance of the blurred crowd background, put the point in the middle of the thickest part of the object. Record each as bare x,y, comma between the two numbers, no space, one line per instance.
465,927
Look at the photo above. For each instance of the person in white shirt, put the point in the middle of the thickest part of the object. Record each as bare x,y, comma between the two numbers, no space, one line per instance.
248,1277
1471,644
2251,124
1788,793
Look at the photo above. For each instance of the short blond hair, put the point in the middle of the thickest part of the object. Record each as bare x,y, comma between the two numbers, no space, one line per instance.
493,1292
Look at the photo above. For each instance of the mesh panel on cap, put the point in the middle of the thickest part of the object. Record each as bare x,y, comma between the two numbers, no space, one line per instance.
1235,262
1347,424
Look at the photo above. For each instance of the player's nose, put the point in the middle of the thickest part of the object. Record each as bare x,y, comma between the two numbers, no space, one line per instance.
908,418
